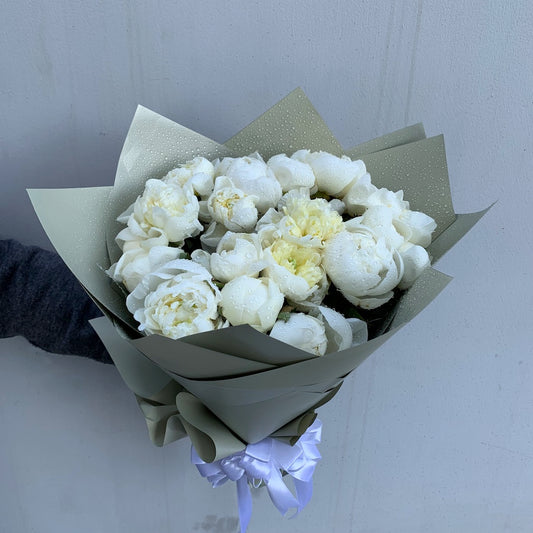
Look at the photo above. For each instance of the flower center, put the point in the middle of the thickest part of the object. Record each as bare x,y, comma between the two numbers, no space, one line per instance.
313,218
226,200
298,260
169,198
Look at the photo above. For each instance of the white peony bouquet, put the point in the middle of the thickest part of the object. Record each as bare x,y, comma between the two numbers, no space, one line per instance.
242,241
239,291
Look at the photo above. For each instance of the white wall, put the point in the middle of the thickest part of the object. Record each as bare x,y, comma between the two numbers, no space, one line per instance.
439,436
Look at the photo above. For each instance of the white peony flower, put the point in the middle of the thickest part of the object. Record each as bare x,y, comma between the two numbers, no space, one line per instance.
414,226
334,175
231,206
178,299
305,221
253,301
392,200
362,267
134,233
251,175
309,220
168,207
379,219
237,254
295,269
138,259
302,331
323,331
199,173
291,173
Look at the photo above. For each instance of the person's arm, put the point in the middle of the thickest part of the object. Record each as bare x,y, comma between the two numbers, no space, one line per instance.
41,300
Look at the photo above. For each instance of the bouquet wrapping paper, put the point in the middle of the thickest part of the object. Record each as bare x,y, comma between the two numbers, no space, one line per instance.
232,387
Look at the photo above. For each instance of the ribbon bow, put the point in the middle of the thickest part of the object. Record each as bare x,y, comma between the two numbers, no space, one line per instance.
264,462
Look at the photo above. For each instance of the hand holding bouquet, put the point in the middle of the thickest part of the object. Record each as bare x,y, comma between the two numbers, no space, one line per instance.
243,285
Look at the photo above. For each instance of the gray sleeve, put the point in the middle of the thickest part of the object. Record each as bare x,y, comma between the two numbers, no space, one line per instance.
42,300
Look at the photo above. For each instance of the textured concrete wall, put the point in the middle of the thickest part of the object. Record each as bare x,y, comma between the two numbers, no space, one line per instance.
439,435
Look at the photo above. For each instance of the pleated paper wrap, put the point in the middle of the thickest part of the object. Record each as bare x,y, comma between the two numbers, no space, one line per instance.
234,386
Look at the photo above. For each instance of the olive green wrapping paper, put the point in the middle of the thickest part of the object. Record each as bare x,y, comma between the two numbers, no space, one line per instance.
227,388
390,140
292,124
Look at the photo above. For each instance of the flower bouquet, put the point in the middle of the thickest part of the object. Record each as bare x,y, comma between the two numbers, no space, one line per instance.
241,285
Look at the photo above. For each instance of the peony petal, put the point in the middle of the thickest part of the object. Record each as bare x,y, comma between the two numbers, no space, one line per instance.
253,301
359,331
416,227
237,254
338,330
335,175
291,173
415,260
212,235
177,299
202,258
251,175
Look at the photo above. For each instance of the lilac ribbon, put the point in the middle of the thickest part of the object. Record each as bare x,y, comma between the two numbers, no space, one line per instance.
264,462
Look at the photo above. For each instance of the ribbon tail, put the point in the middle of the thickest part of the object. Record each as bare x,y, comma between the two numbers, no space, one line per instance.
244,497
304,491
280,495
